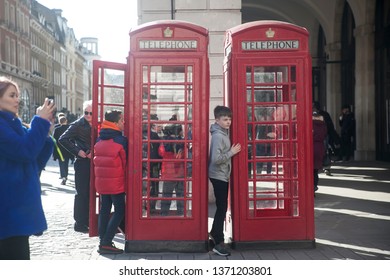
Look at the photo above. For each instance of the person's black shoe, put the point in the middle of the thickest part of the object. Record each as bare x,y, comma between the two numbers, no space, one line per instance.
109,249
221,250
81,228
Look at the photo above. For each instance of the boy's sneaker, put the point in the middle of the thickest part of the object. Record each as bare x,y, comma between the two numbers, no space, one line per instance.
221,250
109,249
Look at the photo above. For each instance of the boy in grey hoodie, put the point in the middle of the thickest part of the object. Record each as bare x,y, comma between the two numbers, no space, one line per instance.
221,152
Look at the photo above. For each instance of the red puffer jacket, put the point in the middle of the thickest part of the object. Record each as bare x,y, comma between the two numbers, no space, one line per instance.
171,169
319,135
110,166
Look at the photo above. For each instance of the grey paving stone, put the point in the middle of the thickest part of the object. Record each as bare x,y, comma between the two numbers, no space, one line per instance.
352,221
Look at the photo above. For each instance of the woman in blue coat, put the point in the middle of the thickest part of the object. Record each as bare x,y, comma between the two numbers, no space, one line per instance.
23,154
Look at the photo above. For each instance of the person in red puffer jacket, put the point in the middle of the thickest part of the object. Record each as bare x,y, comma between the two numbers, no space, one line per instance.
172,171
110,156
319,136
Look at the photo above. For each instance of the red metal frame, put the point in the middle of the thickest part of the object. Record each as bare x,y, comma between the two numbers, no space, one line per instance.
108,92
143,224
183,75
285,200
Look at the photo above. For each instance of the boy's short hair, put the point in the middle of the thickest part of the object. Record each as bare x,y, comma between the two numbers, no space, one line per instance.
222,111
113,116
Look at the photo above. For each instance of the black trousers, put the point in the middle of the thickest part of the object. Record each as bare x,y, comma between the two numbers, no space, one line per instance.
154,185
64,167
15,248
316,179
346,149
221,200
81,199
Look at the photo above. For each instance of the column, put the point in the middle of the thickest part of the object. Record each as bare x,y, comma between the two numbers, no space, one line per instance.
333,81
365,93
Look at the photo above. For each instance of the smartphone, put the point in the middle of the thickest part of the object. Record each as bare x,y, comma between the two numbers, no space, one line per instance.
51,101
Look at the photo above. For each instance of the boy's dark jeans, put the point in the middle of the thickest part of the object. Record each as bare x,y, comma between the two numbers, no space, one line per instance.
221,200
109,226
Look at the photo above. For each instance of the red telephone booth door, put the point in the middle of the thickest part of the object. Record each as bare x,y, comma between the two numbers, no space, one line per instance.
169,133
270,94
109,92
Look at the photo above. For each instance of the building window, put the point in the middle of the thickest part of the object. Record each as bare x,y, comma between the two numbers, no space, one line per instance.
26,24
12,16
7,49
13,53
22,59
6,12
24,106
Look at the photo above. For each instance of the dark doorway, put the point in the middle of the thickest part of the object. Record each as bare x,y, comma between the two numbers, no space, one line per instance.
382,79
319,72
348,58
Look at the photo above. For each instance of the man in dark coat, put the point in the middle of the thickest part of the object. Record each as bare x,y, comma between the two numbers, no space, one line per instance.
347,124
77,140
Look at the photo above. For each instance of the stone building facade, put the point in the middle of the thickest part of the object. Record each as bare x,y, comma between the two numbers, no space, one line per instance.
349,43
40,52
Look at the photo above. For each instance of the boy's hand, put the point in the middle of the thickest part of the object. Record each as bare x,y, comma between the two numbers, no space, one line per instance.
236,148
179,154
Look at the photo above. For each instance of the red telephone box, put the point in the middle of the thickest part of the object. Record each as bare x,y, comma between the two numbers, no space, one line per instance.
168,135
267,72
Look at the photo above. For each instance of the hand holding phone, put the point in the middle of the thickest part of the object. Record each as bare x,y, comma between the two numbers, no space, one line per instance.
46,110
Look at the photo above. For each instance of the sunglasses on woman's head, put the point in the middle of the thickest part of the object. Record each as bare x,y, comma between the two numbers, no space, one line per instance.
86,113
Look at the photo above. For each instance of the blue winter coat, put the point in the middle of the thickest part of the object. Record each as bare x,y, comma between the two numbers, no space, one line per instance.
23,154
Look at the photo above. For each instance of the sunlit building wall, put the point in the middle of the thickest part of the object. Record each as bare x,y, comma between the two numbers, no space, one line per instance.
348,43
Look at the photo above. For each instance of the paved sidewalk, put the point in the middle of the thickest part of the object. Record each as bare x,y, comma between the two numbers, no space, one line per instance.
352,217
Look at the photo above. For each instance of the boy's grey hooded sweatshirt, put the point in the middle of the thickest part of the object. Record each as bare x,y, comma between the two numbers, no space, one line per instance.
220,154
